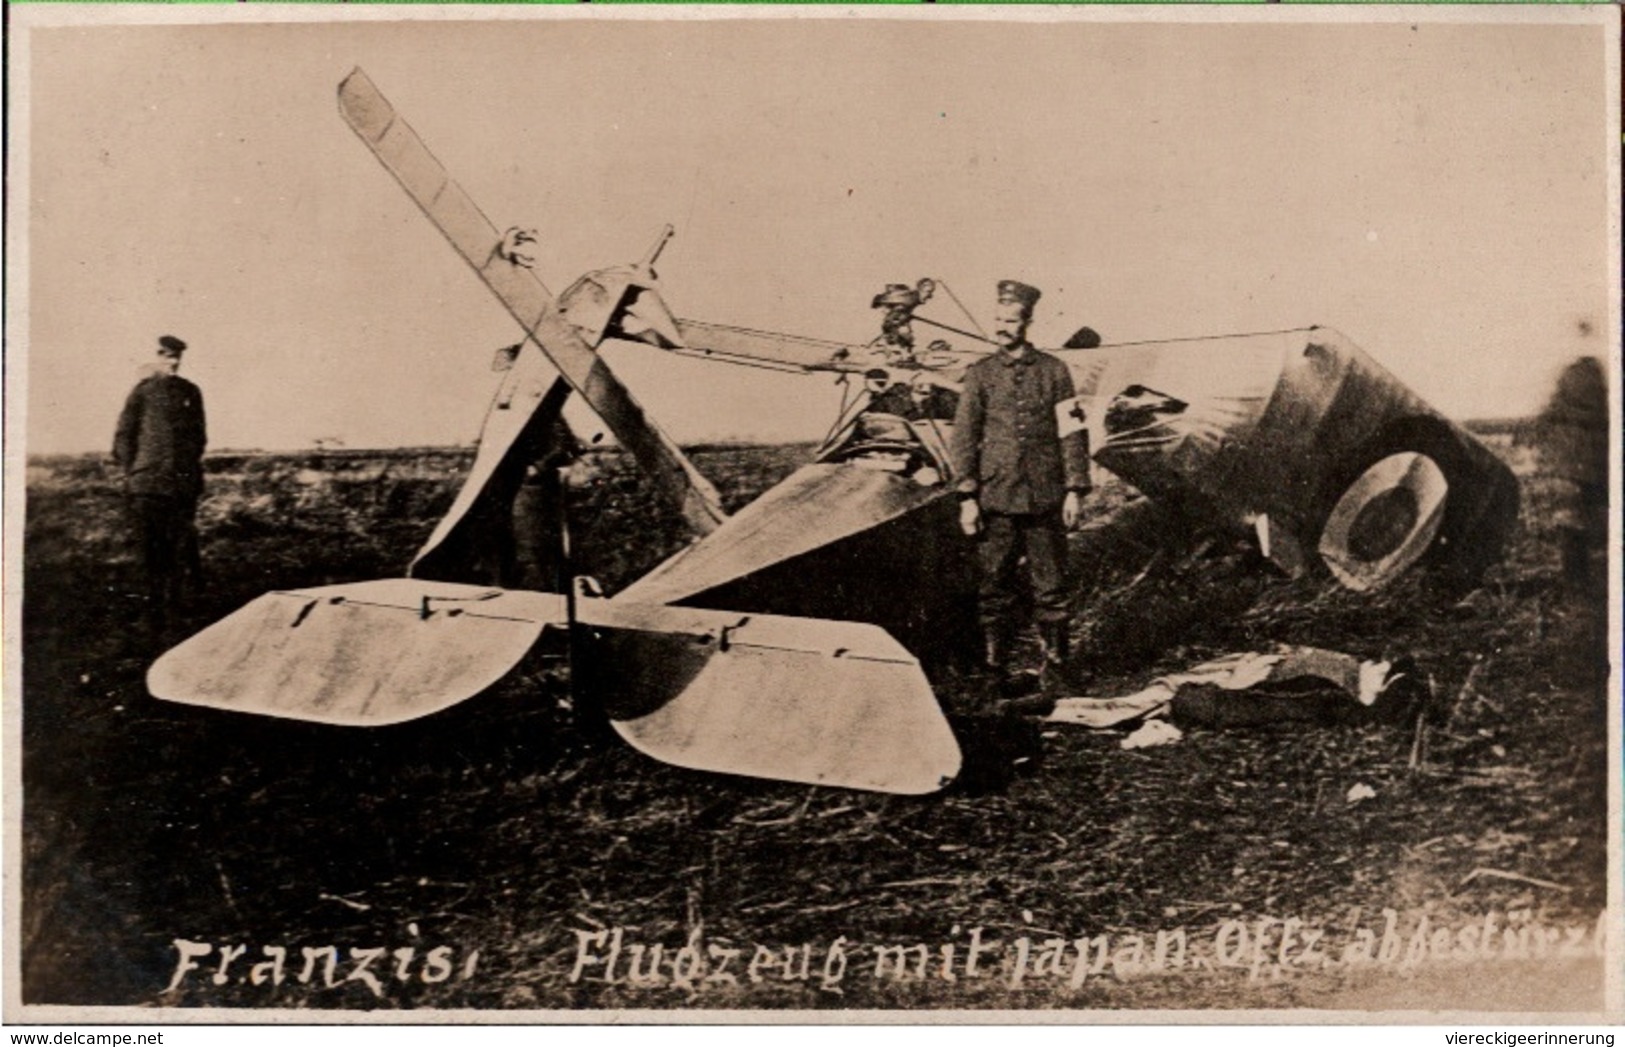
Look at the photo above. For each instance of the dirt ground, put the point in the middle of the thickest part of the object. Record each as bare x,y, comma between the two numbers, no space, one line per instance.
496,856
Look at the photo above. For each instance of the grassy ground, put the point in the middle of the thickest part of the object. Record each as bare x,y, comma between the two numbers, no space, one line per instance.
501,859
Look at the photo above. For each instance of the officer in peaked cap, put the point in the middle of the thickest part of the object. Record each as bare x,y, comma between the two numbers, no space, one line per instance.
1014,291
158,446
1020,483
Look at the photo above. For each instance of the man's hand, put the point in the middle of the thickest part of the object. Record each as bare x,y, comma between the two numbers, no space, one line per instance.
970,517
1072,510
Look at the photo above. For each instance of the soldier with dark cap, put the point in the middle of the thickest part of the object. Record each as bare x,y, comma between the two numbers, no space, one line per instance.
159,448
1020,483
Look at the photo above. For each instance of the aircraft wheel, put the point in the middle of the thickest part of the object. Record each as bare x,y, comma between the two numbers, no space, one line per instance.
1385,520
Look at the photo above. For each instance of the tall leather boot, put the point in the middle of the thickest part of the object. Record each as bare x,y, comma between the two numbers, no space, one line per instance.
1052,636
995,650
1057,676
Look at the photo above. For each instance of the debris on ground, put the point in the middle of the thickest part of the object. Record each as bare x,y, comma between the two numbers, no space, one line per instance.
1286,685
1500,874
1151,734
1101,713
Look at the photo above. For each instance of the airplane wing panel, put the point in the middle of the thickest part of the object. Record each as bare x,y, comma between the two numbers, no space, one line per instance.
815,506
445,204
366,654
527,405
806,700
793,699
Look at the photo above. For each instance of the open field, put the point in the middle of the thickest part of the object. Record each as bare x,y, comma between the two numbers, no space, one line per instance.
501,858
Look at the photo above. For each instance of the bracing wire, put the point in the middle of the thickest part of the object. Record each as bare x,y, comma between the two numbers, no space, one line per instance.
968,314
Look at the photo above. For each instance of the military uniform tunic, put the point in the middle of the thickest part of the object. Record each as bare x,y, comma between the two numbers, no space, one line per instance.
1007,450
1008,454
161,436
159,446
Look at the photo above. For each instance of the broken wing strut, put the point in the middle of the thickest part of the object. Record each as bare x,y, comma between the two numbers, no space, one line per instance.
524,295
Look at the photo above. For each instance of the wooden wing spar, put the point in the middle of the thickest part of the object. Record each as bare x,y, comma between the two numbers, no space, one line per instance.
810,355
524,295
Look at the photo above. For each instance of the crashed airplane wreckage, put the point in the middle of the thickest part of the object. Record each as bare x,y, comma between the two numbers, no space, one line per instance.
738,655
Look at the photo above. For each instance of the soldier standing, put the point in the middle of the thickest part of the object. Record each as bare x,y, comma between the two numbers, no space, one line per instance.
1573,438
159,448
1021,484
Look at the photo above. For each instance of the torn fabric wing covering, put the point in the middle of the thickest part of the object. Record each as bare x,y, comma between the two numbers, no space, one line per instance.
620,303
1163,416
1167,416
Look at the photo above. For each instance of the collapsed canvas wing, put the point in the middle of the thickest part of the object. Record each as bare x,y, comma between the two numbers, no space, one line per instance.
816,506
1173,406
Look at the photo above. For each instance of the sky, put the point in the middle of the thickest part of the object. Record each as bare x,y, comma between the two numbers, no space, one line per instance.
1435,184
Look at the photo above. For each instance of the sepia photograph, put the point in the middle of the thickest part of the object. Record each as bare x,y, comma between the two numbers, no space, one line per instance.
1037,514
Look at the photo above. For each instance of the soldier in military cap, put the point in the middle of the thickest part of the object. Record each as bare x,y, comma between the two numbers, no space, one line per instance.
159,448
1020,483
